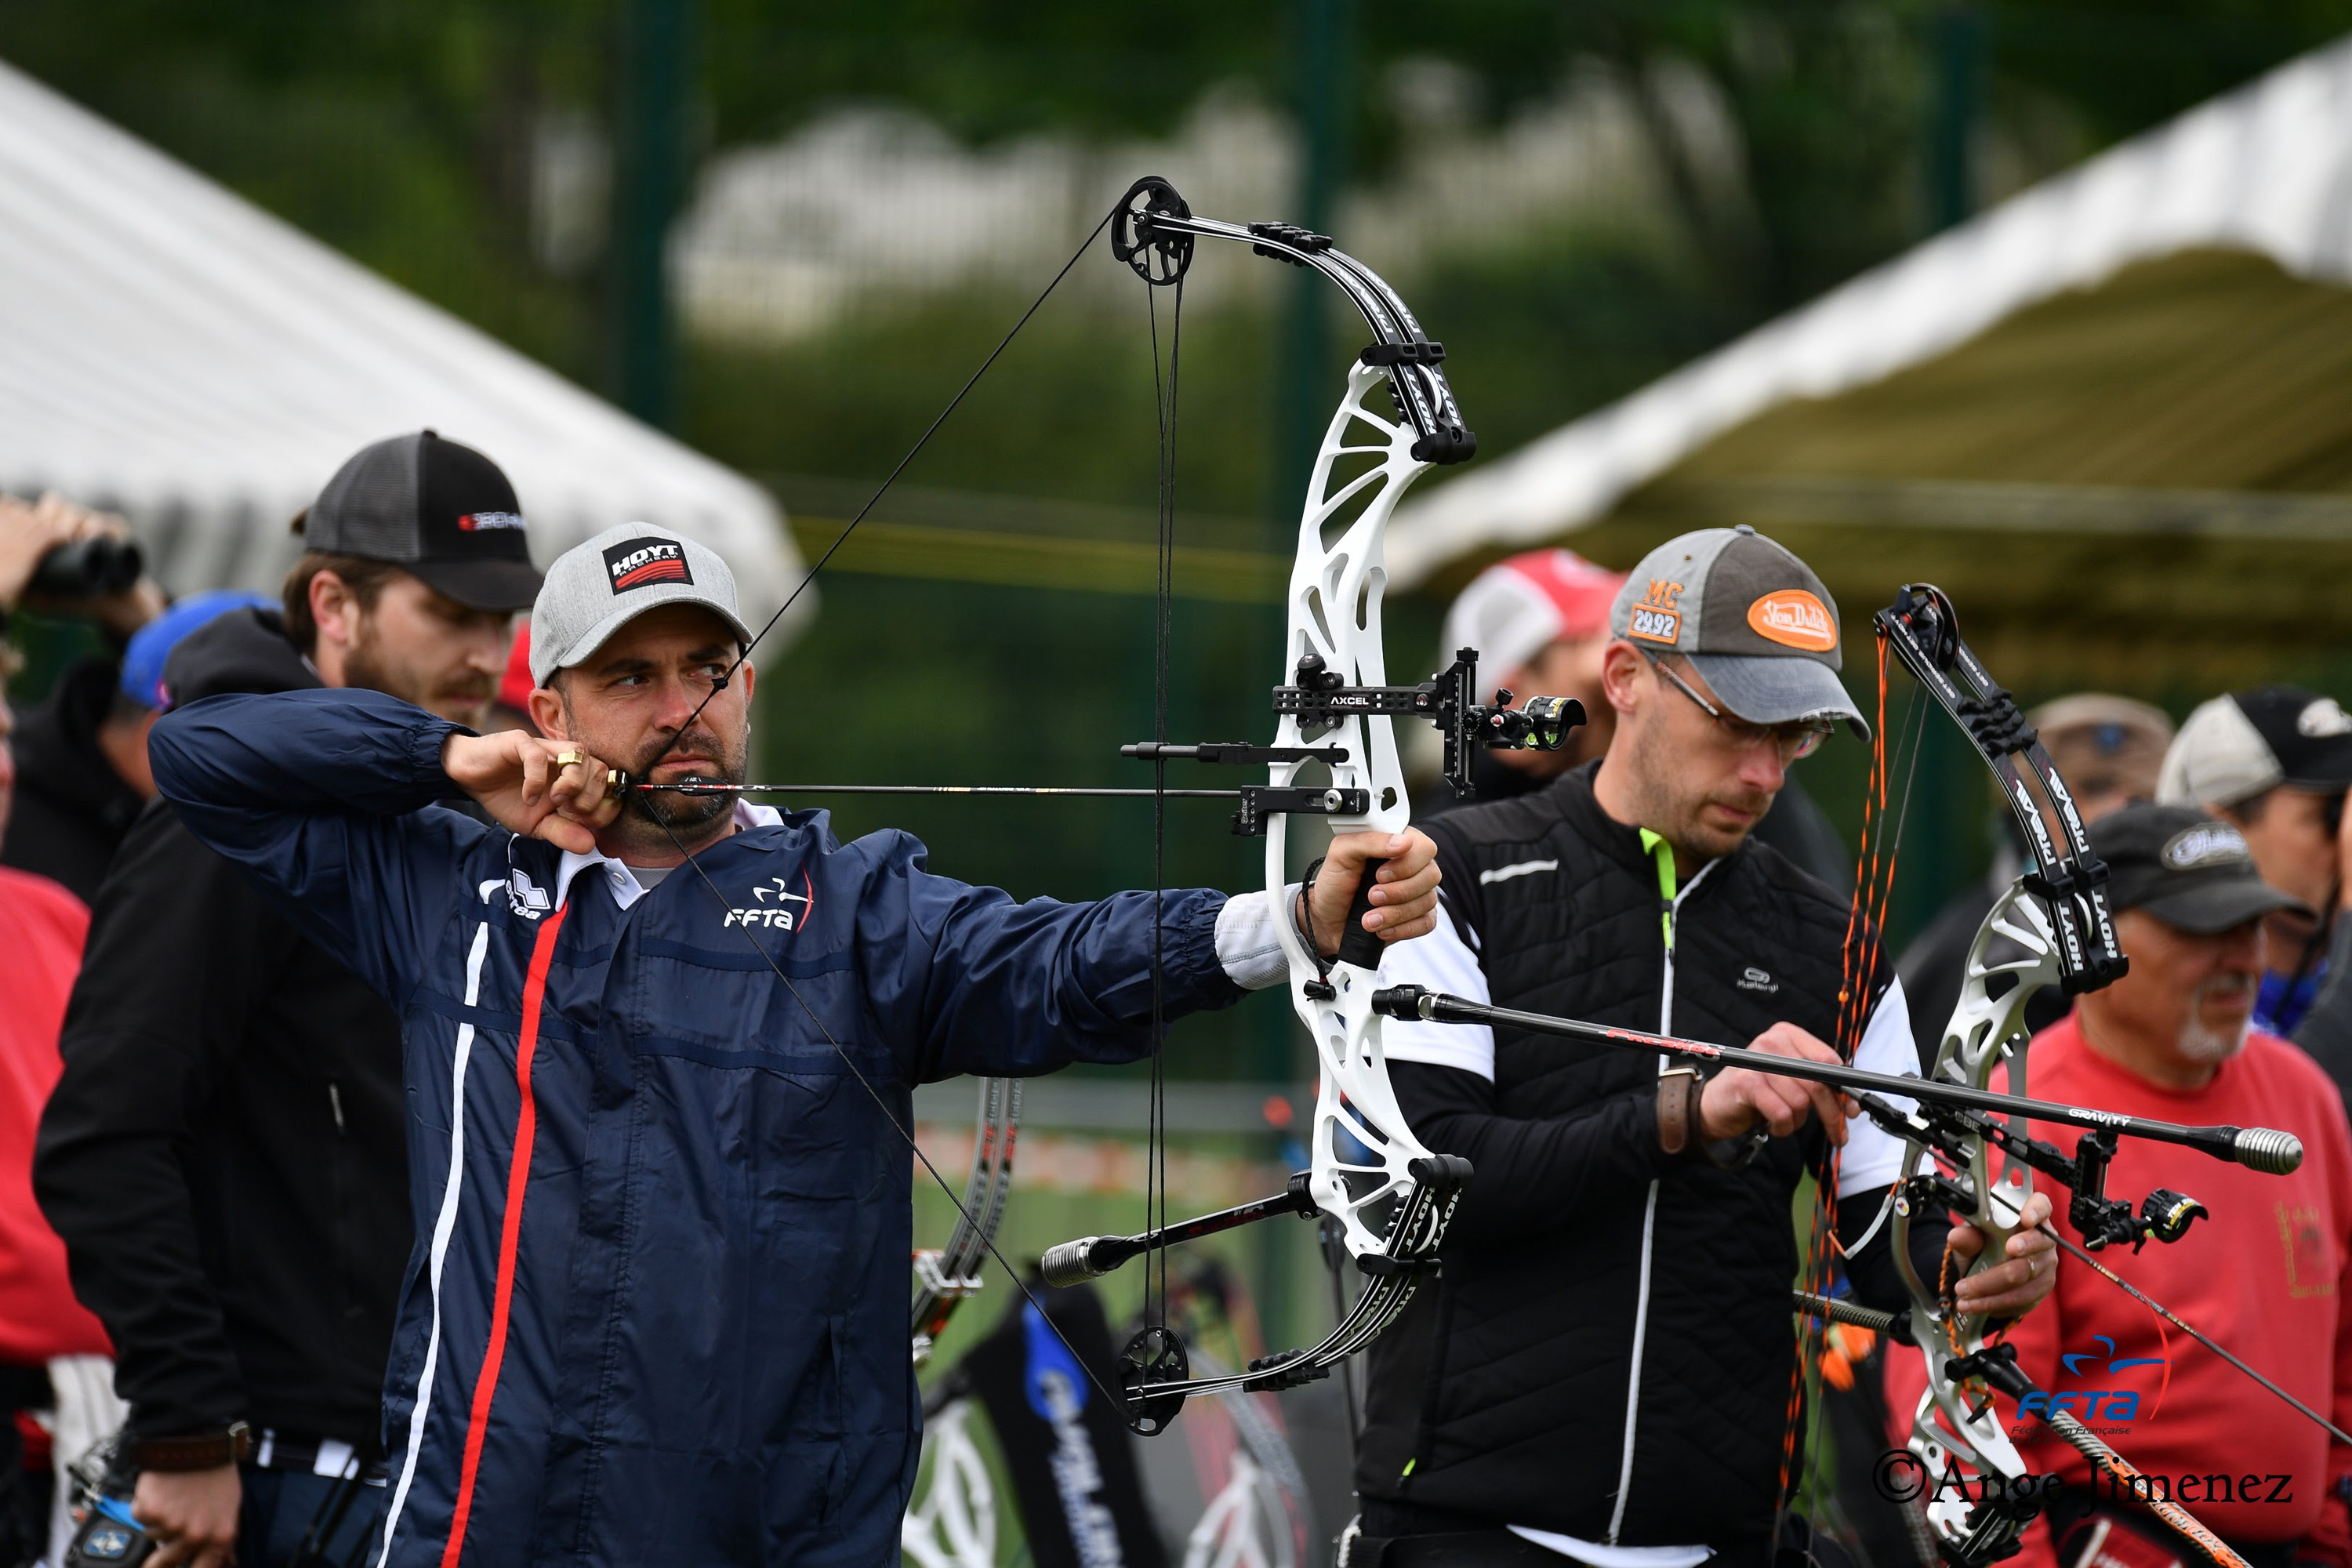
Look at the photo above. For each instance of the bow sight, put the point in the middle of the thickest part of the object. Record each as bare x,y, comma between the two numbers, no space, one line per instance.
1319,700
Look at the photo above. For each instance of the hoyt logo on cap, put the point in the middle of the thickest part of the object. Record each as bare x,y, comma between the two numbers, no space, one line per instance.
642,563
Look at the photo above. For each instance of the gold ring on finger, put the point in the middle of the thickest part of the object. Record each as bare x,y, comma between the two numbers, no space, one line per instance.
566,759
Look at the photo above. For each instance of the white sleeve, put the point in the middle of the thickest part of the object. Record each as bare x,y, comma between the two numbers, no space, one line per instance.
1441,961
1246,946
1873,1157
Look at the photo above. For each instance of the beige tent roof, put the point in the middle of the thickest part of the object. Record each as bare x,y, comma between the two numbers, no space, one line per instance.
169,349
2113,416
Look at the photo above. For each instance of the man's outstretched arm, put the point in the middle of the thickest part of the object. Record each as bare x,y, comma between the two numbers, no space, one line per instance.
975,981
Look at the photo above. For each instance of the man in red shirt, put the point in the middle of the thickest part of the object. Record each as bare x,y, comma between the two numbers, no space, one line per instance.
2265,1275
41,930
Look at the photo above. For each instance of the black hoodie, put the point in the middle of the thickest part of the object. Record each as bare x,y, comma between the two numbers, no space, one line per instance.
225,1152
72,808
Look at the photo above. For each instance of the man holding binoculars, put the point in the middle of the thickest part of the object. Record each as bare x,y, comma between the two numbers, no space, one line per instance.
80,756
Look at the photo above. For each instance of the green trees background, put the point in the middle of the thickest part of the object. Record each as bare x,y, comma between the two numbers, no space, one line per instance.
406,133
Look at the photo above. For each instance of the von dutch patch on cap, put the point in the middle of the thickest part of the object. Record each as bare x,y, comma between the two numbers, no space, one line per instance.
1657,616
1793,619
2207,844
644,562
2322,719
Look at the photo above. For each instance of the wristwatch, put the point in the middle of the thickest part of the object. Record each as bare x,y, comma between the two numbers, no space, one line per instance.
1679,1094
1682,1132
194,1450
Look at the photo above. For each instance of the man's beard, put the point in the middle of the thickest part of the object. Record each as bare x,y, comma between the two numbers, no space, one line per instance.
2199,1041
680,813
1666,811
365,667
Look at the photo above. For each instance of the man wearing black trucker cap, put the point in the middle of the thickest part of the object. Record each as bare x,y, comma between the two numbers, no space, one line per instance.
2174,1038
1602,1371
225,1153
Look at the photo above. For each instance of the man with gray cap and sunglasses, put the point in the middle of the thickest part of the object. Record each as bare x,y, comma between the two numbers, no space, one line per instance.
1602,1371
661,1049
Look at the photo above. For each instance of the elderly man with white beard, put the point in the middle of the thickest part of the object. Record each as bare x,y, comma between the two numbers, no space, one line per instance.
2266,1274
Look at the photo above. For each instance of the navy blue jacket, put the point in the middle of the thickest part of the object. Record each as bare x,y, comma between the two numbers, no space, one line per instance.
657,1308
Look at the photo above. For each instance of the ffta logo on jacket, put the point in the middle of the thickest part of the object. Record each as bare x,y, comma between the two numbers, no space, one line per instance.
774,906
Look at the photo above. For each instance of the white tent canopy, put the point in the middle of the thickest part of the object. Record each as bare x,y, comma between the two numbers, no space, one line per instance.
169,350
2266,170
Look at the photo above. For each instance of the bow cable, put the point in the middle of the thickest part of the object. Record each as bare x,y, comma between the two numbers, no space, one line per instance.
1155,1134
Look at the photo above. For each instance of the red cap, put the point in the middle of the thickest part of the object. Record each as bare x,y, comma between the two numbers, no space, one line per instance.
515,686
1517,607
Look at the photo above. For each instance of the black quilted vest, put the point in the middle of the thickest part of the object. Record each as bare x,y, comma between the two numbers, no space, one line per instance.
1504,1395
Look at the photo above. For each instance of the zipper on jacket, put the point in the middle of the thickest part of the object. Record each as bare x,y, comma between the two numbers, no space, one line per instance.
1670,900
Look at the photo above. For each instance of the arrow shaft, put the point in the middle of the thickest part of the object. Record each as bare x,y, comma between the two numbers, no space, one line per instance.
1065,791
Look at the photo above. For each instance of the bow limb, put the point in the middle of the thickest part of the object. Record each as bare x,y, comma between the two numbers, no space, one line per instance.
944,1277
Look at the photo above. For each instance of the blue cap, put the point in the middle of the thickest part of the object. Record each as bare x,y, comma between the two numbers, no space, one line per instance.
142,661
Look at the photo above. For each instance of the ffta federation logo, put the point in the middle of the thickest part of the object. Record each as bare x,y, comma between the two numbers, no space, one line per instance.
772,906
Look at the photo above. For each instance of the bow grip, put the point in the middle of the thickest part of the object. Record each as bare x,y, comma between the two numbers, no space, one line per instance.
1357,945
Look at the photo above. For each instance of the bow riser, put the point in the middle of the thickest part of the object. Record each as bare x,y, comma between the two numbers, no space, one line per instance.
1362,1146
1985,1035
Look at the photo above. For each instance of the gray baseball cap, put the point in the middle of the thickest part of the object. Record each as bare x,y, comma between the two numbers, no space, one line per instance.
596,588
2235,747
1752,619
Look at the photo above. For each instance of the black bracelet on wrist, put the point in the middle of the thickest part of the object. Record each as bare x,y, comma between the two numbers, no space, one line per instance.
1302,917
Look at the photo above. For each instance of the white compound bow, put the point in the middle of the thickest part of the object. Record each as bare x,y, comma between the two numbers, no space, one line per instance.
1389,1196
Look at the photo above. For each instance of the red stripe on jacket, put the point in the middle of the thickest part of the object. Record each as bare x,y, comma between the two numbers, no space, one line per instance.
534,992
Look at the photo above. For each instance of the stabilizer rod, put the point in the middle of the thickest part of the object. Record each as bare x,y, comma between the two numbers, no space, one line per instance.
1092,1256
2256,1147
